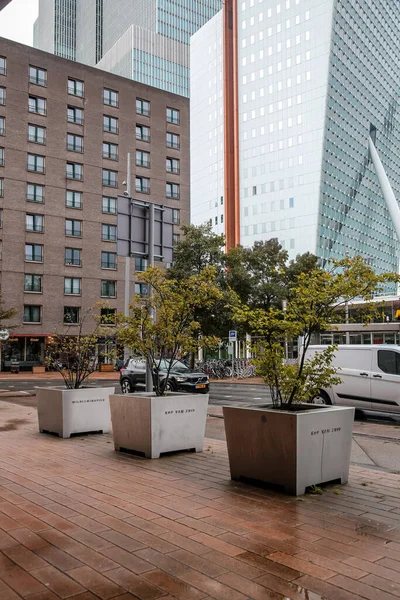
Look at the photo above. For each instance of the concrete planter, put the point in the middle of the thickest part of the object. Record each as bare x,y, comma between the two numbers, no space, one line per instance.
66,411
290,449
151,425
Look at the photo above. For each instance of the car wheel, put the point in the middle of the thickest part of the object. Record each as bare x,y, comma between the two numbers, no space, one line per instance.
322,399
126,386
170,387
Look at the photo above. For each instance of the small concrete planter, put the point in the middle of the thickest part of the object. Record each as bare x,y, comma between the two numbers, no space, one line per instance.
151,425
289,449
65,412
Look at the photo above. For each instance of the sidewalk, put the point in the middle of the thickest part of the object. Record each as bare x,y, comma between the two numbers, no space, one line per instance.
80,521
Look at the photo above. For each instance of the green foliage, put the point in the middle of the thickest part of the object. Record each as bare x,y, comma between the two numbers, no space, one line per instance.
6,314
259,276
174,330
312,307
73,353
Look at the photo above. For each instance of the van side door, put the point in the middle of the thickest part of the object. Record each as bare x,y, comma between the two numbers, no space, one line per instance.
354,370
385,381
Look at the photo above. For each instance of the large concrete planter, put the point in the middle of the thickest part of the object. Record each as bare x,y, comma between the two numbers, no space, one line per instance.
289,449
65,412
151,425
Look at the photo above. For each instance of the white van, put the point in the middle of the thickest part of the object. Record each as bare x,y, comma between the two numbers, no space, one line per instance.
370,377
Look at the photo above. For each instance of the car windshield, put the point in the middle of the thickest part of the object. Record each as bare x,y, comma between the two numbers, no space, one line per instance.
177,365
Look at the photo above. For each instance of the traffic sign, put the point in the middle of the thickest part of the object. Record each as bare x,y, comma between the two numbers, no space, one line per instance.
233,336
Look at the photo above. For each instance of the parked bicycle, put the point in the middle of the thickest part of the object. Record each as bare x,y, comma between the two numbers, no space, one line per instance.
223,369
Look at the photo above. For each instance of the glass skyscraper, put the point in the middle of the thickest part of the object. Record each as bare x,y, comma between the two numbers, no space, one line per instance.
280,142
145,40
55,29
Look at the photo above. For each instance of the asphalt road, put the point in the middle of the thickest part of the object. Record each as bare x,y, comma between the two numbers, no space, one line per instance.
241,394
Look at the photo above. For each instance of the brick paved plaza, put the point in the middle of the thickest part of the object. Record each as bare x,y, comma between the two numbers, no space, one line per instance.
79,521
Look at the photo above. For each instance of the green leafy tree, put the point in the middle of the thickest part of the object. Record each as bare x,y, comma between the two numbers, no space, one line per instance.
162,327
199,248
313,306
73,353
6,315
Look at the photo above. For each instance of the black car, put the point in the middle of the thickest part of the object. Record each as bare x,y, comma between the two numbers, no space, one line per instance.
181,378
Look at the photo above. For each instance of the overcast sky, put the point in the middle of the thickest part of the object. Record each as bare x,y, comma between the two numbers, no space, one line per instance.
16,20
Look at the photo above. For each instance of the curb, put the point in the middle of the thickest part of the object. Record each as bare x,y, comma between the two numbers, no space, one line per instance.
5,394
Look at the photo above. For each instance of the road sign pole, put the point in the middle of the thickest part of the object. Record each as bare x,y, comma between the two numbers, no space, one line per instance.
149,373
127,258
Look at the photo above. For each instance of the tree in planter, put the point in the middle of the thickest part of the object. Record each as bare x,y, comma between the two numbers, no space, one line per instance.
162,327
316,301
73,352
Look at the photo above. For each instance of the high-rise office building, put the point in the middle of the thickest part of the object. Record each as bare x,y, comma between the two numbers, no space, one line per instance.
287,95
55,30
144,40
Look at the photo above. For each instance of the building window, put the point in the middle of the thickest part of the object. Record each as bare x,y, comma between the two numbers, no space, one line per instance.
142,184
222,218
108,289
110,98
2,96
140,264
73,227
37,105
3,65
142,107
75,87
2,125
71,314
108,260
32,283
36,163
172,165
36,134
176,216
110,124
34,192
72,285
173,141
1,157
74,115
109,178
175,238
172,190
34,252
37,76
74,171
34,223
72,257
291,202
109,205
141,290
73,199
1,187
108,232
142,133
142,159
74,142
173,116
31,314
110,151
108,316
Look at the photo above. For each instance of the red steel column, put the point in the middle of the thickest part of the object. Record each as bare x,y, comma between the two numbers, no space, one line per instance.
231,125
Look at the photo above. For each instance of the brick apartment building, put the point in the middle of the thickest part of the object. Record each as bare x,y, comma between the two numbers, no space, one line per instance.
65,132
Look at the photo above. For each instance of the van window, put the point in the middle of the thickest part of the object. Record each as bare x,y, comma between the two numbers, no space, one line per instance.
389,362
